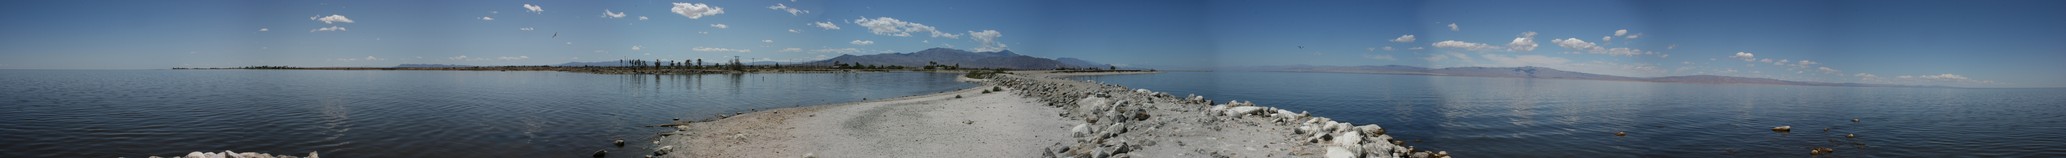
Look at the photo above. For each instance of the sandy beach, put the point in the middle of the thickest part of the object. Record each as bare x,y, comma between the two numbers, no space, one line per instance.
1035,115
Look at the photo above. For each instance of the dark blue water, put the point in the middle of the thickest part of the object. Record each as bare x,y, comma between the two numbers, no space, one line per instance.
135,113
1512,117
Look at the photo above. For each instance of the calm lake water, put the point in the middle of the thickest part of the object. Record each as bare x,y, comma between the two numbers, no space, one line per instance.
1512,117
136,113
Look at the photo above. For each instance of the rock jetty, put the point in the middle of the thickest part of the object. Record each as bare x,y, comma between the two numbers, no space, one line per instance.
234,154
1121,122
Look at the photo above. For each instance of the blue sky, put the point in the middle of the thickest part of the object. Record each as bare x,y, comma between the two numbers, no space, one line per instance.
1961,43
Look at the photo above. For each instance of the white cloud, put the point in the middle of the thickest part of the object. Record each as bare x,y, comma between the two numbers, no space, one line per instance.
794,31
1452,27
332,19
892,27
988,39
1591,48
1827,70
696,10
862,42
1633,36
331,28
642,18
612,15
534,8
1606,39
1620,32
826,25
1403,39
637,47
1574,44
767,41
786,8
526,29
487,18
720,26
521,57
790,50
1746,56
1464,45
261,29
709,49
1524,42
1766,60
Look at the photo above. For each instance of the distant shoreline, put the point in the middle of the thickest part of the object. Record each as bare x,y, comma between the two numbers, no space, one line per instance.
603,70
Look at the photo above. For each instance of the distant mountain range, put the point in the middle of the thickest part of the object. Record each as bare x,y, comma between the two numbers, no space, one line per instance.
1548,73
966,59
430,66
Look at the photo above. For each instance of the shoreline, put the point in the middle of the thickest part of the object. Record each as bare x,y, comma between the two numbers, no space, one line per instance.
1037,114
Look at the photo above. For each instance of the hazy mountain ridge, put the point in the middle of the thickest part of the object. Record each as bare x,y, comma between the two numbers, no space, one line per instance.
946,56
430,66
1549,73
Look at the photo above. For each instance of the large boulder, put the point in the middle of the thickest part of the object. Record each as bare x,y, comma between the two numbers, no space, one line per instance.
1241,110
1349,139
1340,152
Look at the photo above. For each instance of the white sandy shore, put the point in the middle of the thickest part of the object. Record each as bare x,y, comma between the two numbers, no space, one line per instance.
1039,118
936,125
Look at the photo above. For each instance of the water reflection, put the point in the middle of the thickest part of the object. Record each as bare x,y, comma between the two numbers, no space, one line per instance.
1515,117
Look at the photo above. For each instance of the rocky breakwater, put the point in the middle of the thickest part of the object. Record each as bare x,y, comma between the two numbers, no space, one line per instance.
1121,122
234,154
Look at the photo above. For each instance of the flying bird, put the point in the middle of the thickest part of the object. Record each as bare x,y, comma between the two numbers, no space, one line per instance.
555,34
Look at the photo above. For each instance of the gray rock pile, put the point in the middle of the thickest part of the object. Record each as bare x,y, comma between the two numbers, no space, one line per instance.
234,154
1118,121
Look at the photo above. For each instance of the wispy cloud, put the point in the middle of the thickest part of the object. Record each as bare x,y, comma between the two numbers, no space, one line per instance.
712,49
612,15
325,29
332,19
534,8
988,39
825,25
786,8
862,42
892,27
1404,39
1464,45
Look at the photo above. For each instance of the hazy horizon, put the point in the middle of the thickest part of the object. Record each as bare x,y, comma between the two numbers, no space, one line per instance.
1955,43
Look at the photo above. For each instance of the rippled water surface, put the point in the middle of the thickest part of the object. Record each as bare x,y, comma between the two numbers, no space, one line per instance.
136,113
1512,117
